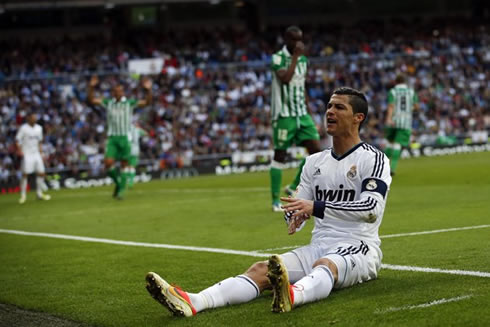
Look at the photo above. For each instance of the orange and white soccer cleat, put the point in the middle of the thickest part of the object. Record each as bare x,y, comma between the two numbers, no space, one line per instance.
171,297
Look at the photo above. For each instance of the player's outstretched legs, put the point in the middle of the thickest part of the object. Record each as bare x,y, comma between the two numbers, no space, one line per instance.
233,290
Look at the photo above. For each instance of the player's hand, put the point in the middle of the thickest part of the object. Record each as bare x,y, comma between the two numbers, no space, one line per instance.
299,49
299,206
295,224
147,83
94,80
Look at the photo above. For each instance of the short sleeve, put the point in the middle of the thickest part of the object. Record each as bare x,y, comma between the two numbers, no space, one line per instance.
105,102
391,97
278,62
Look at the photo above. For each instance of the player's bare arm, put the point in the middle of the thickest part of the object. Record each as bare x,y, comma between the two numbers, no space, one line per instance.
19,150
389,114
94,80
285,75
147,85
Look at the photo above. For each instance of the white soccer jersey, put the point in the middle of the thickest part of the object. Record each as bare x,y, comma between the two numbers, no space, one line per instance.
29,137
349,193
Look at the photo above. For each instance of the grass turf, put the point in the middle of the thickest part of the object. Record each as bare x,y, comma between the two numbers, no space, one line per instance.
103,284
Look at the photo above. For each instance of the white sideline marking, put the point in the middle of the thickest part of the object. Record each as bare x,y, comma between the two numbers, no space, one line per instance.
425,305
224,251
435,231
435,270
130,243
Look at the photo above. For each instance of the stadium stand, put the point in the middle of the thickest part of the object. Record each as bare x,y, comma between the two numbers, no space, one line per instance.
212,96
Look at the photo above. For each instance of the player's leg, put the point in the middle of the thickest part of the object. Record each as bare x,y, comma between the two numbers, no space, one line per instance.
350,264
40,184
286,270
27,167
124,154
277,165
402,138
308,137
284,131
110,163
234,290
23,188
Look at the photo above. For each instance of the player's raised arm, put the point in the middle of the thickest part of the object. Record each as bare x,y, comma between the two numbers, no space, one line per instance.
92,100
285,75
147,85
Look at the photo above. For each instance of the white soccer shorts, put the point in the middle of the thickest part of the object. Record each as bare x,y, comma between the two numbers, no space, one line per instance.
355,260
32,163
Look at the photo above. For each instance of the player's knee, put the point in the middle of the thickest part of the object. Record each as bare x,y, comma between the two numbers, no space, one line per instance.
330,264
258,273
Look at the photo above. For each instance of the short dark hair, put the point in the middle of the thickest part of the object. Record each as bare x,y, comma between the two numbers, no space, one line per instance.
293,29
400,78
357,100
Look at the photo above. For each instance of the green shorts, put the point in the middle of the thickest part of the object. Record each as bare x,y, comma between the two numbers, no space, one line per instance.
398,135
118,148
293,130
133,160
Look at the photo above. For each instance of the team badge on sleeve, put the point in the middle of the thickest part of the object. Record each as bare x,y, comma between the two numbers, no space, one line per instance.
371,185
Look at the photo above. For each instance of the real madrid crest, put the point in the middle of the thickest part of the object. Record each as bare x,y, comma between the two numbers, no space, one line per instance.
371,185
352,172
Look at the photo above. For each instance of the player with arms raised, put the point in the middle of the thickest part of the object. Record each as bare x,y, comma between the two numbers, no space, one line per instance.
119,125
345,189
29,147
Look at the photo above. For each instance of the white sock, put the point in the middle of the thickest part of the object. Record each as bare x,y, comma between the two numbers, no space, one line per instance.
233,290
23,186
39,185
314,286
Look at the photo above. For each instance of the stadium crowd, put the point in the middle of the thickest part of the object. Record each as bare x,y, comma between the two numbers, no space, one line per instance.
212,96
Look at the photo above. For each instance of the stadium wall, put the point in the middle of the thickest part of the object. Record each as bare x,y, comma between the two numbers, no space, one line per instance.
221,166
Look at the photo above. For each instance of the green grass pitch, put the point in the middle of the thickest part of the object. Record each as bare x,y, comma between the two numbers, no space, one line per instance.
103,284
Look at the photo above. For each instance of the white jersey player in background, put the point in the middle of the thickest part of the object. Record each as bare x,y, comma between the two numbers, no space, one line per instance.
29,140
345,189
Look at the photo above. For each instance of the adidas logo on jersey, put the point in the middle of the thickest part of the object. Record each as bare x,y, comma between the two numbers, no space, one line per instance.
335,195
317,172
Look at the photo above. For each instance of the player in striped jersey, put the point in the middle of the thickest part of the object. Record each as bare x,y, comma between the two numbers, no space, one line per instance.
119,115
402,100
345,190
289,110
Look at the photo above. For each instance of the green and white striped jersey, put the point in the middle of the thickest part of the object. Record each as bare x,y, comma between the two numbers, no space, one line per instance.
288,100
404,98
119,115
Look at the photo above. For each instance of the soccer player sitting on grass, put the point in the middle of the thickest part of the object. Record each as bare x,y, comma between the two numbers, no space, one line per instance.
345,190
119,118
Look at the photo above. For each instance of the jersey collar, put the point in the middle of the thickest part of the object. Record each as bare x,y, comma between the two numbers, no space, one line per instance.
122,99
354,148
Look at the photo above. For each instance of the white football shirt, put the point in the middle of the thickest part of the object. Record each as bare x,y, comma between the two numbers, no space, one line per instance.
29,138
349,193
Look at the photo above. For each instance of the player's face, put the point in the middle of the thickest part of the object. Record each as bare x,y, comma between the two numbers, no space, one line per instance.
292,38
31,119
118,92
340,117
